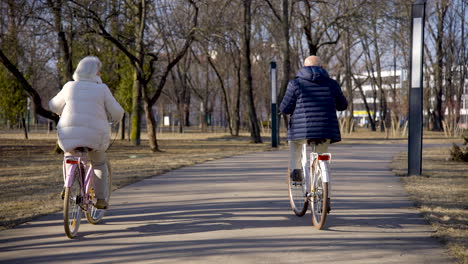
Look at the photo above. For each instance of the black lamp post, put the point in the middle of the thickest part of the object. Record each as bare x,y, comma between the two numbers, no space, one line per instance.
274,108
415,88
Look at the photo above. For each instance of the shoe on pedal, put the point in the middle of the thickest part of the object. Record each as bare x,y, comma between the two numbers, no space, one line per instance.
296,175
101,204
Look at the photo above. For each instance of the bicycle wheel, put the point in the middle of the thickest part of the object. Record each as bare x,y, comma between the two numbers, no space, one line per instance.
71,206
319,200
298,194
94,215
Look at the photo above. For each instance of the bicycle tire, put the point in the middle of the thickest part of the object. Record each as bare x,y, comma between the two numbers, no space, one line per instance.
94,215
319,199
71,207
298,194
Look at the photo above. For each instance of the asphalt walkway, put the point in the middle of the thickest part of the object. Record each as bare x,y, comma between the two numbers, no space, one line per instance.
236,210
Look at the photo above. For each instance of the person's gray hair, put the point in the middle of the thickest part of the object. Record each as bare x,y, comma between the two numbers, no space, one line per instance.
87,68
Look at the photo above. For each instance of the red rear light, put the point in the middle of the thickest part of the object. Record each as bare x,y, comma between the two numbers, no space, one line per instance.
324,157
72,161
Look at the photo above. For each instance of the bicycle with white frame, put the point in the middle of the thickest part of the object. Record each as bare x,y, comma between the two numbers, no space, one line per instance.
314,186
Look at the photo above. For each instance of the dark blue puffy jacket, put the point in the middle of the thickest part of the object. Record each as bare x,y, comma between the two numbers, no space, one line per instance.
312,99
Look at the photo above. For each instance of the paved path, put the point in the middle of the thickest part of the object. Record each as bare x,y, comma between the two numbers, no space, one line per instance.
236,210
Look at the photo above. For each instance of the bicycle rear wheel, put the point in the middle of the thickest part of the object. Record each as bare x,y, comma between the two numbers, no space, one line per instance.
319,198
94,215
298,194
71,206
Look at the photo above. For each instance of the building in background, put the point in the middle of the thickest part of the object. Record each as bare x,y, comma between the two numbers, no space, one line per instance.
394,84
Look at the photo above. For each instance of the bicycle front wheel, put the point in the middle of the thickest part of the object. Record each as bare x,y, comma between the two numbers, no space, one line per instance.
298,195
319,200
71,206
94,215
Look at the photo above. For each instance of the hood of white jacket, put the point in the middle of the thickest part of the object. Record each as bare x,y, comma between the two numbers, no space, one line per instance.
87,70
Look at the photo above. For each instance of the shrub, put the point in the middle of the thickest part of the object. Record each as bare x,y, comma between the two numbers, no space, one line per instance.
459,154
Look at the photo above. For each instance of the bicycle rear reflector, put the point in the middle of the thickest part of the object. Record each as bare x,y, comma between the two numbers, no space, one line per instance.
72,161
324,157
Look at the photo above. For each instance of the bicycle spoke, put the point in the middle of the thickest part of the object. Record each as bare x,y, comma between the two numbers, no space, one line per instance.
298,193
319,200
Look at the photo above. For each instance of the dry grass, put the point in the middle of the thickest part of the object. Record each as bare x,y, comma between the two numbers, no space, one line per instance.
441,193
31,177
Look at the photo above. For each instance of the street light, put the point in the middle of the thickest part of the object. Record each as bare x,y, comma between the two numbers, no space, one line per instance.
274,109
416,85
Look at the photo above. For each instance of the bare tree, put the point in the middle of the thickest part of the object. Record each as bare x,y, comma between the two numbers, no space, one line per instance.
143,61
181,92
440,11
455,64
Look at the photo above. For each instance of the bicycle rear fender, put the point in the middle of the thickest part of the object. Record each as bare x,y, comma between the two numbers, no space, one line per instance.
324,161
325,174
70,176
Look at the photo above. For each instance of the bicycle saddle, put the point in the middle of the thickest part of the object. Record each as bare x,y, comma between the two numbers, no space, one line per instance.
316,141
83,149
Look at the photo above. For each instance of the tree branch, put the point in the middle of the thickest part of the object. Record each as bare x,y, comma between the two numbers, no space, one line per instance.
104,33
275,13
28,88
178,57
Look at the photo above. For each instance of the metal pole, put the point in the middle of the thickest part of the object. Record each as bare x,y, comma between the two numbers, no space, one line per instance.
416,85
28,108
274,109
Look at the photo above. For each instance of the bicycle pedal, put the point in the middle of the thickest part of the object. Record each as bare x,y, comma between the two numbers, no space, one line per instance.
62,194
297,183
296,175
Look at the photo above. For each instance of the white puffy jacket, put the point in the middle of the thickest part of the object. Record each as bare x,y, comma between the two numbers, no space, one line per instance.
83,106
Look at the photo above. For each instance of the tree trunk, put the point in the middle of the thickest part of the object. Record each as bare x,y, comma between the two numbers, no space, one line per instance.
187,112
25,128
439,111
150,121
378,78
180,111
179,90
236,118
237,104
139,80
151,127
348,83
186,103
464,63
370,69
225,97
65,58
136,111
286,51
366,105
122,127
254,126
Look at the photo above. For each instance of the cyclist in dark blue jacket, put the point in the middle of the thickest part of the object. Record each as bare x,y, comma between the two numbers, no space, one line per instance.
312,99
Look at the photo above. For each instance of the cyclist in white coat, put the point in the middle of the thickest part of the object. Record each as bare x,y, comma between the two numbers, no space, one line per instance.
84,106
